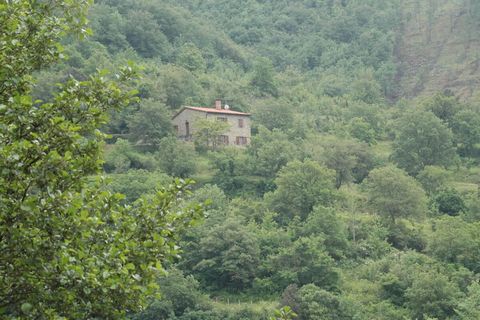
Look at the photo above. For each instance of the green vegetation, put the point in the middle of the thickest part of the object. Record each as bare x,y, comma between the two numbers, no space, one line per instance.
355,199
70,249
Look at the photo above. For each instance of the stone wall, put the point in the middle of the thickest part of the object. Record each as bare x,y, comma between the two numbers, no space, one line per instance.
190,116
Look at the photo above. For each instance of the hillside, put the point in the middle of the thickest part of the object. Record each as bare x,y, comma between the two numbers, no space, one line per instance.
431,45
438,48
354,193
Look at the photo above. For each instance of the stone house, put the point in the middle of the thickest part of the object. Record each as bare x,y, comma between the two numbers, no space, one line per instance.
238,133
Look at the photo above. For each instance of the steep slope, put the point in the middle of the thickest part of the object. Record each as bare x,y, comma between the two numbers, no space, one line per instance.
305,33
437,42
438,48
333,43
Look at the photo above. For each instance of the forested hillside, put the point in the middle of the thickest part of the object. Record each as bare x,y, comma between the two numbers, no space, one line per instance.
358,196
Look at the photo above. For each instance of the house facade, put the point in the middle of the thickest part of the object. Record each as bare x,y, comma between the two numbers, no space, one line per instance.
238,133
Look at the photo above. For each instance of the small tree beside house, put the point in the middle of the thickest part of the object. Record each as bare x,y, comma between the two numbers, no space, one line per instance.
210,134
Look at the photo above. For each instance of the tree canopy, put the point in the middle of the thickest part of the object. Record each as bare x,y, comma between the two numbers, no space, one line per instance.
70,249
422,140
393,194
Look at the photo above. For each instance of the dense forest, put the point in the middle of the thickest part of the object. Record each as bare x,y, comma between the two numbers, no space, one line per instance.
357,198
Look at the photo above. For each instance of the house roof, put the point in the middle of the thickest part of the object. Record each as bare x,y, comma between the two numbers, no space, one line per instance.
213,110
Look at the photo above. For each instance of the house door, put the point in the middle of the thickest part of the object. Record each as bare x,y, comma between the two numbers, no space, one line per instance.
187,129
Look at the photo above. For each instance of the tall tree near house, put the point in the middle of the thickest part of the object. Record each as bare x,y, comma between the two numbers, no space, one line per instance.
70,250
149,124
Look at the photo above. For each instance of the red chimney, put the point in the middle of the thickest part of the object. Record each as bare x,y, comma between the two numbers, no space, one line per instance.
218,104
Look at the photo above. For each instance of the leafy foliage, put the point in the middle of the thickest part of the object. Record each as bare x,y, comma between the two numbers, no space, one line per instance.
393,195
228,256
300,187
148,125
422,140
70,250
455,240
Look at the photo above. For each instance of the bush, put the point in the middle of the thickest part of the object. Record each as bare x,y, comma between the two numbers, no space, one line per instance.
449,201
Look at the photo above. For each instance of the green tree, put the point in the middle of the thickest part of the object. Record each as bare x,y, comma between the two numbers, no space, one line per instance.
469,308
443,106
269,151
231,175
449,201
228,256
145,35
212,194
372,114
456,241
325,222
109,26
135,183
432,294
419,285
274,114
422,139
69,249
393,194
305,261
122,157
263,77
351,160
149,124
366,88
190,57
180,293
466,129
300,187
207,133
176,157
362,130
176,84
319,304
432,178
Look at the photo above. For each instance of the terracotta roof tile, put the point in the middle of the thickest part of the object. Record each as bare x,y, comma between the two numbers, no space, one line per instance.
213,110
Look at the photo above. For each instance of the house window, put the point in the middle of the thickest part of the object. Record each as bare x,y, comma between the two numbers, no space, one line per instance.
240,123
223,139
222,119
241,141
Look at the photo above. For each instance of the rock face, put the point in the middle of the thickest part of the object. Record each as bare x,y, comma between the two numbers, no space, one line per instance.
438,48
